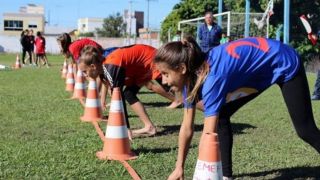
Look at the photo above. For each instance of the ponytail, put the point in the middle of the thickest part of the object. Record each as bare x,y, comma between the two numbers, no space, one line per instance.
189,53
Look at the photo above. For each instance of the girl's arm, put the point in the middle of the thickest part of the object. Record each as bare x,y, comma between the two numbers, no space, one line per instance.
103,93
185,136
159,90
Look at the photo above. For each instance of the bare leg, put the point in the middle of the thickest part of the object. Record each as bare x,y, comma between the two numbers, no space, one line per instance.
149,128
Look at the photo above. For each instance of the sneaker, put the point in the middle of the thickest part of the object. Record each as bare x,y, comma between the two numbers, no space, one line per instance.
315,97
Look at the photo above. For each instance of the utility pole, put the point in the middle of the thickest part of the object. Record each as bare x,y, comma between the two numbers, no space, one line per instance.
129,14
148,27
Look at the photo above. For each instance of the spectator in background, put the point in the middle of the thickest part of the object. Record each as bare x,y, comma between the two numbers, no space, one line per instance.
177,37
31,44
224,38
209,33
40,43
24,40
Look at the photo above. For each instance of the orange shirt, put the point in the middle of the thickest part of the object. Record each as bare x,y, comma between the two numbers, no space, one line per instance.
130,65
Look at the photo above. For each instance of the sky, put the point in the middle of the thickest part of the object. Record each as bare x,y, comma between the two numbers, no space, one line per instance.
66,12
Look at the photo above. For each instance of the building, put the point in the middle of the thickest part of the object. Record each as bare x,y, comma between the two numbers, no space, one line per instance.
135,22
32,9
29,17
86,25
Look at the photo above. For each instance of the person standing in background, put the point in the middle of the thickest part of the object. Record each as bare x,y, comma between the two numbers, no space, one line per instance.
177,37
24,40
31,43
209,33
40,43
224,38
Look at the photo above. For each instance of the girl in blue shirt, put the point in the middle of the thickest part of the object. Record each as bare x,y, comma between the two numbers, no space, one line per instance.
227,78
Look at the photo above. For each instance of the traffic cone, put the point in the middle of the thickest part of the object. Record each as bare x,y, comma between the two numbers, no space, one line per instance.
116,143
64,70
79,88
209,164
17,65
92,111
70,79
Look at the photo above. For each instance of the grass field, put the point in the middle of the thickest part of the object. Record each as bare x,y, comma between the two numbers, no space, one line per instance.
42,137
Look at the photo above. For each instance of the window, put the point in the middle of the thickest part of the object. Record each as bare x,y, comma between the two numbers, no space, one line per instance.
13,25
32,26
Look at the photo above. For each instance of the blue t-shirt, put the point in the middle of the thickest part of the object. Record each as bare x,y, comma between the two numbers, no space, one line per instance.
108,51
243,67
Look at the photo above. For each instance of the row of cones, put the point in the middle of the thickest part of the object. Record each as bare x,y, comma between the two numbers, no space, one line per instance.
116,141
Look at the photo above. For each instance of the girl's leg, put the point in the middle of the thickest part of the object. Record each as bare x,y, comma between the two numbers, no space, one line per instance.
30,57
225,131
297,98
126,117
130,94
23,56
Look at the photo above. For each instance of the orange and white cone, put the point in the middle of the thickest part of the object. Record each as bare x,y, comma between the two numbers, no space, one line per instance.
209,164
70,79
64,70
92,111
17,65
79,88
116,143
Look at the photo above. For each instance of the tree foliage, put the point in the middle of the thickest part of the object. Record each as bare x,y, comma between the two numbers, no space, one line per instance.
188,9
113,26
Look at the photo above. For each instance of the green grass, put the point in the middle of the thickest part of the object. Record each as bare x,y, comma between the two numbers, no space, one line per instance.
41,136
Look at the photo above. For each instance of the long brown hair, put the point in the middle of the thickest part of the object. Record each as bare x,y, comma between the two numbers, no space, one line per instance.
189,53
65,41
90,55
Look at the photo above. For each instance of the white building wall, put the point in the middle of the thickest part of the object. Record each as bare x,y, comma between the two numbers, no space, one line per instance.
11,44
89,24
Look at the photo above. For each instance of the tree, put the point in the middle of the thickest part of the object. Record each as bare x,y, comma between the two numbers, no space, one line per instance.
113,26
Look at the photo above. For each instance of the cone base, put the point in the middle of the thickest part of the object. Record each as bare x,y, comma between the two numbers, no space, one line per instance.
103,156
79,97
90,119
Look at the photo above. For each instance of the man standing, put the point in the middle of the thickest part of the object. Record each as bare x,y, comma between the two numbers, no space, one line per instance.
209,33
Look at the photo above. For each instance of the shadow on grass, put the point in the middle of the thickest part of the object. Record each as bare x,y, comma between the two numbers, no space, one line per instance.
237,128
144,150
287,173
146,92
156,104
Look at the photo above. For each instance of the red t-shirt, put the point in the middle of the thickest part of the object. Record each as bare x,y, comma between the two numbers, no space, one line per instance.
76,47
40,43
130,65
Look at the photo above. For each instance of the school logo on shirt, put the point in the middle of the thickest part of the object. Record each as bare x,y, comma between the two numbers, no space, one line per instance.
261,44
239,93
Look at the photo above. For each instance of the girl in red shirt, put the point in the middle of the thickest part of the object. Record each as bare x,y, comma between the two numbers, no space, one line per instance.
129,68
73,49
40,43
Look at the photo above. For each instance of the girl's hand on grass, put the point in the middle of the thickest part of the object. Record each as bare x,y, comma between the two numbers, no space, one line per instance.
176,174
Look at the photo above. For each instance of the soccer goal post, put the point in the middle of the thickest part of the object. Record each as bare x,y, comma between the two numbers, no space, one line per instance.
232,24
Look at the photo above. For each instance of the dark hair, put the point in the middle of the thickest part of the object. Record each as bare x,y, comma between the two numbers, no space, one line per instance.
65,41
208,12
90,55
189,53
38,33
